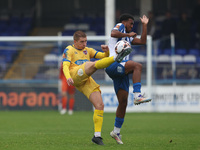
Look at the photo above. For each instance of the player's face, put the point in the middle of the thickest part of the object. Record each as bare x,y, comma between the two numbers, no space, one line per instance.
129,25
81,43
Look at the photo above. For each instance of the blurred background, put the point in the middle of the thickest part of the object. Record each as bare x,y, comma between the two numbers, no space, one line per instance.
29,69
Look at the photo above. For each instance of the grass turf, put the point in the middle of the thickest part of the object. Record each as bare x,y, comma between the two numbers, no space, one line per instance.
48,130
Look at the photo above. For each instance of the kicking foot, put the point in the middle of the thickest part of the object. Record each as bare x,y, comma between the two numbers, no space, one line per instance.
123,54
141,99
116,137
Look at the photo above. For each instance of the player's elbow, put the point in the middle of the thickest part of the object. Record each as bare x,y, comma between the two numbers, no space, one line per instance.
113,34
143,42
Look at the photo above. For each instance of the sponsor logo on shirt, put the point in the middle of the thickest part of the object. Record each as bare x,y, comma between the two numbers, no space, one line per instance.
80,62
85,52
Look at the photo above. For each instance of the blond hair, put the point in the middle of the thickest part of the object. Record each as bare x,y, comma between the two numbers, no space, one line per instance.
79,34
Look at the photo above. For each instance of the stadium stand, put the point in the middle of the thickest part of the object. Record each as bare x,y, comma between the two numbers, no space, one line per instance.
22,25
139,58
189,59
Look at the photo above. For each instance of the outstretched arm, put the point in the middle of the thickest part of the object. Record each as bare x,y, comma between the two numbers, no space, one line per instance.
101,55
143,38
105,48
118,34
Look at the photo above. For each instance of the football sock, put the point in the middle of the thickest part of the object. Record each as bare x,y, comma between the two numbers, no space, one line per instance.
64,102
98,121
71,103
116,130
118,124
104,63
137,87
97,134
136,95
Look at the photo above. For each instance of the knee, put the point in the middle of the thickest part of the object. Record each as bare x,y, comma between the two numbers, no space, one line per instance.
99,106
123,103
138,66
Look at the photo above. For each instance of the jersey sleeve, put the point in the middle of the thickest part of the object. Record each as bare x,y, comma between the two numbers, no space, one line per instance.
100,55
67,55
97,54
66,65
119,27
92,52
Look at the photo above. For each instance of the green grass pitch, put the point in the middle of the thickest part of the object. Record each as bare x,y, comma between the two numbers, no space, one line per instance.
48,130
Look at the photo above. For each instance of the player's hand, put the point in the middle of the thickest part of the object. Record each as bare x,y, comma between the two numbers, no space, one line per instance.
70,81
105,48
132,34
144,19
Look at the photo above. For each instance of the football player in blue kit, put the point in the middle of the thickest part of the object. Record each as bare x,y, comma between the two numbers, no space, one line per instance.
118,72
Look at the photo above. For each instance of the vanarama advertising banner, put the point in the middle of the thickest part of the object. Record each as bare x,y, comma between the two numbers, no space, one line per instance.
40,97
28,98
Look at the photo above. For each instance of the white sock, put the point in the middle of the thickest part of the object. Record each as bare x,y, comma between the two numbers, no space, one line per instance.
116,130
97,134
136,94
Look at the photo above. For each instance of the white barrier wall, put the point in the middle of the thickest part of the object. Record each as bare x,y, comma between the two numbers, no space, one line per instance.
164,99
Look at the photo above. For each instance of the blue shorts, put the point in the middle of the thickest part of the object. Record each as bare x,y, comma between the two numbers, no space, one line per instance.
116,72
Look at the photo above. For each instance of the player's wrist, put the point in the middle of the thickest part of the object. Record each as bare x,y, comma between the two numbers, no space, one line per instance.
128,35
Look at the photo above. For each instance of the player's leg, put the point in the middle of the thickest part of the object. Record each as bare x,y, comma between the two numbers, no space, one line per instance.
97,102
122,89
136,69
122,96
121,85
71,91
64,97
91,67
92,91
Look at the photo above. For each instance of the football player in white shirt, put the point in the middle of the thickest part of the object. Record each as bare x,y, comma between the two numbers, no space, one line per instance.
118,72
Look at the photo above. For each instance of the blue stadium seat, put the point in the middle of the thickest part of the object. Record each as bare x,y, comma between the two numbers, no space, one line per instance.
181,52
195,52
167,51
158,52
68,33
198,60
15,26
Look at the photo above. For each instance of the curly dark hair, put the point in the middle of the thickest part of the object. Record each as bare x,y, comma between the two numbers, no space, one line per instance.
125,17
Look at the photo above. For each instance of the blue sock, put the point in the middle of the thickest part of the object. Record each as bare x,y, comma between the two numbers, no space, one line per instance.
119,122
137,87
